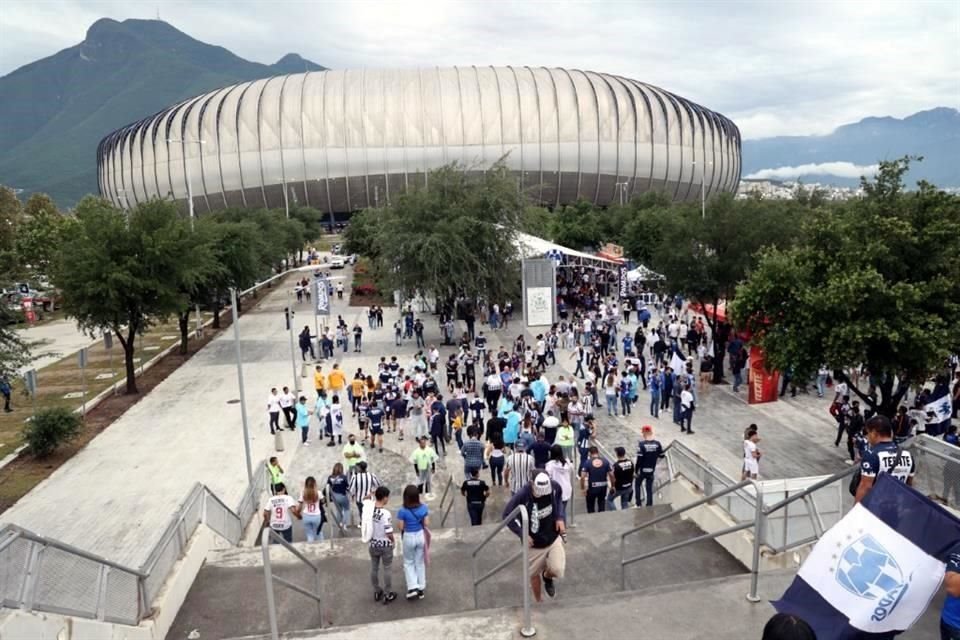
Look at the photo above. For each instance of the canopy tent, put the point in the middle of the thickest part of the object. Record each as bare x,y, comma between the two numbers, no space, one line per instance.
642,274
529,246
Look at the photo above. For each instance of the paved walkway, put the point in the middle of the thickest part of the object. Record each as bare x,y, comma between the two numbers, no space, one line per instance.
54,340
116,496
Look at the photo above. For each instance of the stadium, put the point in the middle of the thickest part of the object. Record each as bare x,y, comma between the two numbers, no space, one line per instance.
344,140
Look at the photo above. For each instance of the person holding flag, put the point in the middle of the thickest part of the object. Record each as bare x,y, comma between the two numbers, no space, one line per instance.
874,573
939,408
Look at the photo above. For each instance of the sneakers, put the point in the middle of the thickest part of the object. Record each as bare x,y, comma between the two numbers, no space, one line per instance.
420,594
306,444
378,594
389,597
413,594
429,496
548,586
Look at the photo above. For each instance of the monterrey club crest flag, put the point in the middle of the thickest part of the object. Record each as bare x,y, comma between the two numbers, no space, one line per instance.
877,569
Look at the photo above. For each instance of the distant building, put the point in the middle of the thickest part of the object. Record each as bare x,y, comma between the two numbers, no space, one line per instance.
345,140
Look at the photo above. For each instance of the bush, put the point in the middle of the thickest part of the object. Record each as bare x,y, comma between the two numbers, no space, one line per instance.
49,429
366,290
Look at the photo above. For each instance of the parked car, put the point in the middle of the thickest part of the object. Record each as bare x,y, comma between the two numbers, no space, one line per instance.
338,262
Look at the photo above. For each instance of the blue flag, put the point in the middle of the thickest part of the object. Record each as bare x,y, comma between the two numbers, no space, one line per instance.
939,408
875,571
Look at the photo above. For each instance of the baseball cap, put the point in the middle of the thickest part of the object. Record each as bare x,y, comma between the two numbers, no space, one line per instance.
646,429
541,485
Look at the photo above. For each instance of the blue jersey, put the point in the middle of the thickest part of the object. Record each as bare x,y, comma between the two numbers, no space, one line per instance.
375,415
882,458
648,452
951,606
627,343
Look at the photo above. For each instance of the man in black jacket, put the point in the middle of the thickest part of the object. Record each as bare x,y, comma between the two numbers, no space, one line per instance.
546,528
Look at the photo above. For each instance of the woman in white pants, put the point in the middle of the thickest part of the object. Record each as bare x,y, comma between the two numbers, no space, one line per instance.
413,520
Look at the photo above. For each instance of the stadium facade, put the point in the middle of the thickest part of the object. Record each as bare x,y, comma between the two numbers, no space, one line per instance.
345,140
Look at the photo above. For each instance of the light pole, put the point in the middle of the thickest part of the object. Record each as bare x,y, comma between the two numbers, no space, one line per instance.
293,357
622,192
286,199
703,180
243,398
186,173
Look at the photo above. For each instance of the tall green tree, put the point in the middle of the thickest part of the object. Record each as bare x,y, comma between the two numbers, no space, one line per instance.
40,234
456,237
11,217
122,273
705,257
237,252
14,350
874,282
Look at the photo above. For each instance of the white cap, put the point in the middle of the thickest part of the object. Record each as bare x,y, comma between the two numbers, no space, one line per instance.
541,485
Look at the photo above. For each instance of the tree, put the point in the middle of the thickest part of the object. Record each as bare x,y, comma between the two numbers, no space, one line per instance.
40,234
455,238
237,250
14,351
122,272
874,282
704,258
11,217
575,226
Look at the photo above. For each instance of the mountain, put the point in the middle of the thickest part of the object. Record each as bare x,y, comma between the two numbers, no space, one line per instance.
55,110
933,134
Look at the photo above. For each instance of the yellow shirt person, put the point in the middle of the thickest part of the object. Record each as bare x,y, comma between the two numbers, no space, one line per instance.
319,380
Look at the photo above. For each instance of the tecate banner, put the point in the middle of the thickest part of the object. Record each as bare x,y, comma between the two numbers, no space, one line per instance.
623,282
320,295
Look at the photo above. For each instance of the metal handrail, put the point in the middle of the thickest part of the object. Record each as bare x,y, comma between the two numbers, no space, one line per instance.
266,537
527,630
710,498
803,493
19,532
337,515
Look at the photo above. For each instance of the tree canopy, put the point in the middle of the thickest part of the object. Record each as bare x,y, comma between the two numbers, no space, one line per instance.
874,281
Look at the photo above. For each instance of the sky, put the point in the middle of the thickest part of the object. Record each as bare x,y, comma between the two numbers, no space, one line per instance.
774,67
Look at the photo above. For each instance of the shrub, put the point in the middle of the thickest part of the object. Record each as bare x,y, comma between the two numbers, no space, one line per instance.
366,290
49,429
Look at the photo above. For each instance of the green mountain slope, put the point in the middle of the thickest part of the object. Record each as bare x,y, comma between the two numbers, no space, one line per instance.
55,111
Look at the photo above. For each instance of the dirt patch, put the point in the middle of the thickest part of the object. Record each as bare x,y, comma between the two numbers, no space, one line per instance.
26,471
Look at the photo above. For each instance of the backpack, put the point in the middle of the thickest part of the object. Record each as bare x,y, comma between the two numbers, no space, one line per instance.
366,522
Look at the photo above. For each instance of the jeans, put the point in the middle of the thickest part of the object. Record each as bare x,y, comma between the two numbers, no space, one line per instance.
378,556
357,342
947,632
396,339
286,534
303,433
311,527
414,565
737,379
496,470
343,502
611,405
274,421
644,481
423,480
655,404
625,405
475,511
579,370
439,445
596,501
345,343
625,496
290,414
687,417
676,412
821,385
458,435
420,342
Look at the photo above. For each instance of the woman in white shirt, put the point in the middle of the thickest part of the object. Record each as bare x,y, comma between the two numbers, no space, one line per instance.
610,392
559,469
310,510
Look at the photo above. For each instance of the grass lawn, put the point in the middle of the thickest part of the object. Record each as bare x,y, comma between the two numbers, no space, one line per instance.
60,378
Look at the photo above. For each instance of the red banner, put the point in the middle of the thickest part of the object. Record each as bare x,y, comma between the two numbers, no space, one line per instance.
762,384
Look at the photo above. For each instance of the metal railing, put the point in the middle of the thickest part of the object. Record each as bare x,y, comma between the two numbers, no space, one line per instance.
760,517
336,515
41,574
938,469
268,536
446,508
527,630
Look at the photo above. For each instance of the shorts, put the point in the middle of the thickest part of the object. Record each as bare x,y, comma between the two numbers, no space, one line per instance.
376,430
751,467
553,558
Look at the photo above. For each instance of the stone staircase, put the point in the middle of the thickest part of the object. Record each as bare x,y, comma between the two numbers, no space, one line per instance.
228,597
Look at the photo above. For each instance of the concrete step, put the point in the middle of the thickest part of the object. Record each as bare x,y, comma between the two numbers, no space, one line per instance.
710,608
228,597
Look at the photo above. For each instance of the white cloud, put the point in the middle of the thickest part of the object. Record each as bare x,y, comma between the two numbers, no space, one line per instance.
786,68
836,169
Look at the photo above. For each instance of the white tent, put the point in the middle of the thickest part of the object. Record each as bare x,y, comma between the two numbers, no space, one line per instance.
529,246
642,274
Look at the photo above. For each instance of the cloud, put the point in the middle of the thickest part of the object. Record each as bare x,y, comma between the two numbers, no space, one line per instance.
836,169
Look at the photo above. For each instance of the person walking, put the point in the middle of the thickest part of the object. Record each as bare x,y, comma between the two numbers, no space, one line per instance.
495,457
559,469
305,340
319,380
424,460
413,520
357,338
288,403
6,391
566,439
337,487
311,511
687,407
751,455
362,484
280,511
622,481
303,420
380,543
656,384
595,479
649,451
547,526
518,467
273,410
883,456
276,474
476,492
472,452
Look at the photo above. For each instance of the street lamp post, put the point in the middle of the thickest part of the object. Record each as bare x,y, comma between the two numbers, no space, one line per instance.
622,192
703,186
186,173
243,396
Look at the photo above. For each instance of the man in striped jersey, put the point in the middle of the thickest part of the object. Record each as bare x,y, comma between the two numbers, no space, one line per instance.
362,484
519,466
